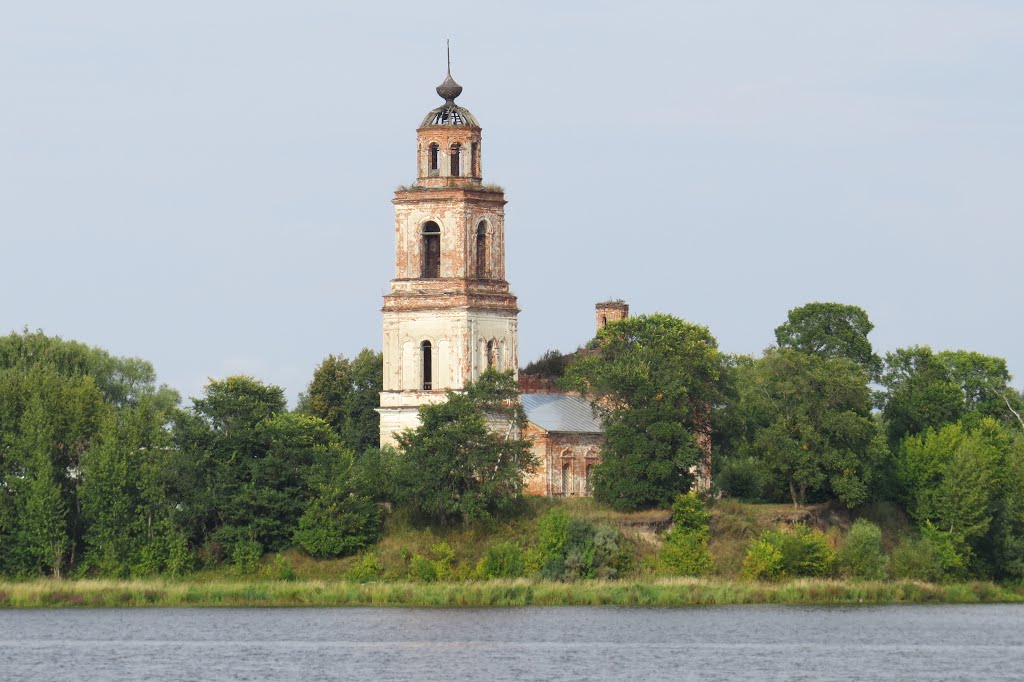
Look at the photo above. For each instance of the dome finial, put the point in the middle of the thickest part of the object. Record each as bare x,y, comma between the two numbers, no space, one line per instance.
449,89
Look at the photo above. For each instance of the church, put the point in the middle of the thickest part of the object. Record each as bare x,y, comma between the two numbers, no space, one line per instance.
450,314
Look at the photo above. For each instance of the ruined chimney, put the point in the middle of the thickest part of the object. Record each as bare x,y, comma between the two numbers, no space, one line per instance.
611,311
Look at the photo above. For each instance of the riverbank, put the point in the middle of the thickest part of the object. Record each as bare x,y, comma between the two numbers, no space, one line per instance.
663,593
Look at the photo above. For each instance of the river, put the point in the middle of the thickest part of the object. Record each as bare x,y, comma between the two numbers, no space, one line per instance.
983,642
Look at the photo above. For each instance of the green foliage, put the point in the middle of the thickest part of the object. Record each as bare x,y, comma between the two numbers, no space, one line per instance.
502,560
655,379
690,514
931,556
807,420
551,364
574,549
802,552
830,330
345,394
122,381
687,554
336,525
763,560
951,478
686,551
246,555
243,464
283,569
741,477
861,555
367,568
463,462
438,566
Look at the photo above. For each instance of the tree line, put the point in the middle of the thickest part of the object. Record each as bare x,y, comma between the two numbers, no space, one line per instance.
105,472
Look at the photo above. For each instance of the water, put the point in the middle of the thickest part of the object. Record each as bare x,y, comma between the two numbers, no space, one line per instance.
722,643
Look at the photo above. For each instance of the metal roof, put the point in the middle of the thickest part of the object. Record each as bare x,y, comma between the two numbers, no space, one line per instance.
560,412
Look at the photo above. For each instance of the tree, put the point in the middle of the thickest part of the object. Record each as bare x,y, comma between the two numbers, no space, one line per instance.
129,520
654,378
551,364
919,393
466,461
929,390
345,394
241,462
807,418
830,330
123,381
950,478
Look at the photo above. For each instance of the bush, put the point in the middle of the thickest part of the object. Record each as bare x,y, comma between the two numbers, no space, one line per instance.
763,560
571,548
861,556
803,552
685,550
743,478
246,555
931,556
436,567
687,554
366,569
336,525
690,514
502,560
283,567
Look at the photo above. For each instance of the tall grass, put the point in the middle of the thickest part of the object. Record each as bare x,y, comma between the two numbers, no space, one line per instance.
662,592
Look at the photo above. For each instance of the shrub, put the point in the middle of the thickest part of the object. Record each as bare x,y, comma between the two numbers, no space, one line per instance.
422,568
336,525
690,514
687,554
803,552
741,477
366,569
283,567
685,550
245,555
861,555
571,549
436,567
502,560
763,560
931,556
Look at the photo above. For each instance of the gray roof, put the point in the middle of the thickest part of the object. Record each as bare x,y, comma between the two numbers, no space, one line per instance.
560,412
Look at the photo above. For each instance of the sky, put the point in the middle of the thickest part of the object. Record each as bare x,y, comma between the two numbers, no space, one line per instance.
207,185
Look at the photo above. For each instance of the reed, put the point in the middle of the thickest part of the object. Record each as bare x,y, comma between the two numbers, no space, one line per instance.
669,592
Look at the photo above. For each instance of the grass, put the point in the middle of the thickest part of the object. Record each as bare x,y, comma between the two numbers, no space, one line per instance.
663,593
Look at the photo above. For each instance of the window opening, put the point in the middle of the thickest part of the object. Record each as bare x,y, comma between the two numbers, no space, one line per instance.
472,159
490,354
587,483
481,250
431,251
456,153
435,150
427,352
566,477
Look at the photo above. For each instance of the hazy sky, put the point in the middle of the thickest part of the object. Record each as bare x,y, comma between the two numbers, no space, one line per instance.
207,185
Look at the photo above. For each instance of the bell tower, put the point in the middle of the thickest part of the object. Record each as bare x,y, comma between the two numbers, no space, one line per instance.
450,314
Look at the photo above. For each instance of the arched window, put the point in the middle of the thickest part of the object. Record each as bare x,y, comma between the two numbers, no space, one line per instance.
431,250
587,480
435,151
481,250
456,154
490,354
426,354
566,478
